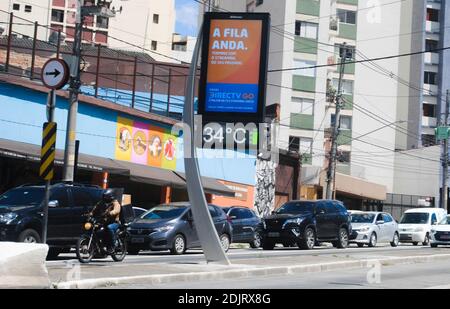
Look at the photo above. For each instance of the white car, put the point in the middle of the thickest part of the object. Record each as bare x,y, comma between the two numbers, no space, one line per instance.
416,224
440,234
370,228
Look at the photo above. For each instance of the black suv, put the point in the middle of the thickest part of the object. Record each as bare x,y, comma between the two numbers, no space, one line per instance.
21,214
305,223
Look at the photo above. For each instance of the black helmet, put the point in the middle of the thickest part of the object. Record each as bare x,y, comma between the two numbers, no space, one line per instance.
108,195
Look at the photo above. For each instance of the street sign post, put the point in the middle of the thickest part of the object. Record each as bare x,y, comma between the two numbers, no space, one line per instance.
55,75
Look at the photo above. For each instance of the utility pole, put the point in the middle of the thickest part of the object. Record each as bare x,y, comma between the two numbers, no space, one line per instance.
74,89
331,171
444,194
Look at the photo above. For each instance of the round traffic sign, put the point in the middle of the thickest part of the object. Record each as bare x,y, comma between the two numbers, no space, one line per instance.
55,73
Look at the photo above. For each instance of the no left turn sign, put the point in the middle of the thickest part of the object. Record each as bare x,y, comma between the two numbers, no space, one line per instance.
55,74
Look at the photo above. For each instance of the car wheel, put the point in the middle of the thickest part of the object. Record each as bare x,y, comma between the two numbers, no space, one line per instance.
29,236
373,240
342,243
256,243
268,245
179,245
225,242
415,243
360,245
434,245
426,241
395,241
308,240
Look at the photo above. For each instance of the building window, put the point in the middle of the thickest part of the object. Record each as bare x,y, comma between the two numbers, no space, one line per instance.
350,51
180,46
156,18
431,45
347,17
28,8
432,15
154,45
428,140
259,2
347,86
58,16
102,22
16,7
302,106
344,157
306,29
430,78
300,144
308,68
346,122
429,110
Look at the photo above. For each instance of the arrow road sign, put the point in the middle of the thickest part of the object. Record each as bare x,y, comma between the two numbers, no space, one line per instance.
55,74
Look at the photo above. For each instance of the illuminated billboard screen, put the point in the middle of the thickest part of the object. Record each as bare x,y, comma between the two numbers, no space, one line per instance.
234,67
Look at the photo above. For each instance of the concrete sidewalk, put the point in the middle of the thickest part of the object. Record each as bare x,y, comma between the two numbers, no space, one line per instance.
107,273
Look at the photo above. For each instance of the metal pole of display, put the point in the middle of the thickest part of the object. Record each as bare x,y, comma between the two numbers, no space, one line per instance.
206,231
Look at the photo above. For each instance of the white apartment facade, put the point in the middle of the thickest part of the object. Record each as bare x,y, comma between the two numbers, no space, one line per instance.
139,25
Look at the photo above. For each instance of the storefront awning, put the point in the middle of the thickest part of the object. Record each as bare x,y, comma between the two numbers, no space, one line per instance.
31,152
212,186
136,172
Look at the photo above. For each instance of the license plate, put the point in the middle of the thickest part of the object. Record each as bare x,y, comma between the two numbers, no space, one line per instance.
137,240
274,234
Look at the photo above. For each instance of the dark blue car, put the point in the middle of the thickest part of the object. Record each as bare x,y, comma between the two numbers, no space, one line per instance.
246,225
171,227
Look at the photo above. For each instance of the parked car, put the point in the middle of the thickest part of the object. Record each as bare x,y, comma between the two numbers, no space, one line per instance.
171,227
246,225
139,211
21,214
416,224
440,233
370,228
304,223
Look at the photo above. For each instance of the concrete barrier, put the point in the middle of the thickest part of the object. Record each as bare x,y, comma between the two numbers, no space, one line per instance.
23,265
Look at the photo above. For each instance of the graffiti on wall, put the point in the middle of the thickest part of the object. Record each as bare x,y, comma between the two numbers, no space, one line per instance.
146,144
265,187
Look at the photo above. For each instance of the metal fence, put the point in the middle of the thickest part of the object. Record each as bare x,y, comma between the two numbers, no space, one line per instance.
128,77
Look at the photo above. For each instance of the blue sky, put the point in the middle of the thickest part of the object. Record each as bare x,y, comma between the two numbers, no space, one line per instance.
187,16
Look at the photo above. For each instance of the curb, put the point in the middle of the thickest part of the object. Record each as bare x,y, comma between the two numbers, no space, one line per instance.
246,272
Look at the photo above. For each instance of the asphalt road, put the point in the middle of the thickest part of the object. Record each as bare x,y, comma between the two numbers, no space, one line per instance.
412,276
196,256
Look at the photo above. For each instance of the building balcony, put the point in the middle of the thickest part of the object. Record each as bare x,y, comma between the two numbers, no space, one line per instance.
303,83
308,7
305,45
429,121
432,26
431,58
433,89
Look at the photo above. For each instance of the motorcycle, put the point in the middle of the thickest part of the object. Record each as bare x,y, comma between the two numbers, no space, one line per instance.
92,243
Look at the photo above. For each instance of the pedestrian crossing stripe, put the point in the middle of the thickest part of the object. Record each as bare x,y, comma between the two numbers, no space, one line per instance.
47,167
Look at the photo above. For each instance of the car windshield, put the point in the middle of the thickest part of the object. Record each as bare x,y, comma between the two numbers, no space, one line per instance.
296,208
363,218
22,197
415,218
163,212
445,221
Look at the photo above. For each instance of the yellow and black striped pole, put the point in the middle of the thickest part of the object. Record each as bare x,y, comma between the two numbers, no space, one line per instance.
47,168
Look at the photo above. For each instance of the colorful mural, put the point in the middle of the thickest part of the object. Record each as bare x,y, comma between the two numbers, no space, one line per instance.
146,144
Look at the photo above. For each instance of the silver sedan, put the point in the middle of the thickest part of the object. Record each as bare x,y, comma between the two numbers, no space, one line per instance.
370,228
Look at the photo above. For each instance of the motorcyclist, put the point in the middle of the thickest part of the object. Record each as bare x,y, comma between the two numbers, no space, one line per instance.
108,210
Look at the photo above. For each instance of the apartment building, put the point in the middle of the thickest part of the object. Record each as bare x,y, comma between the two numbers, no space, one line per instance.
138,25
